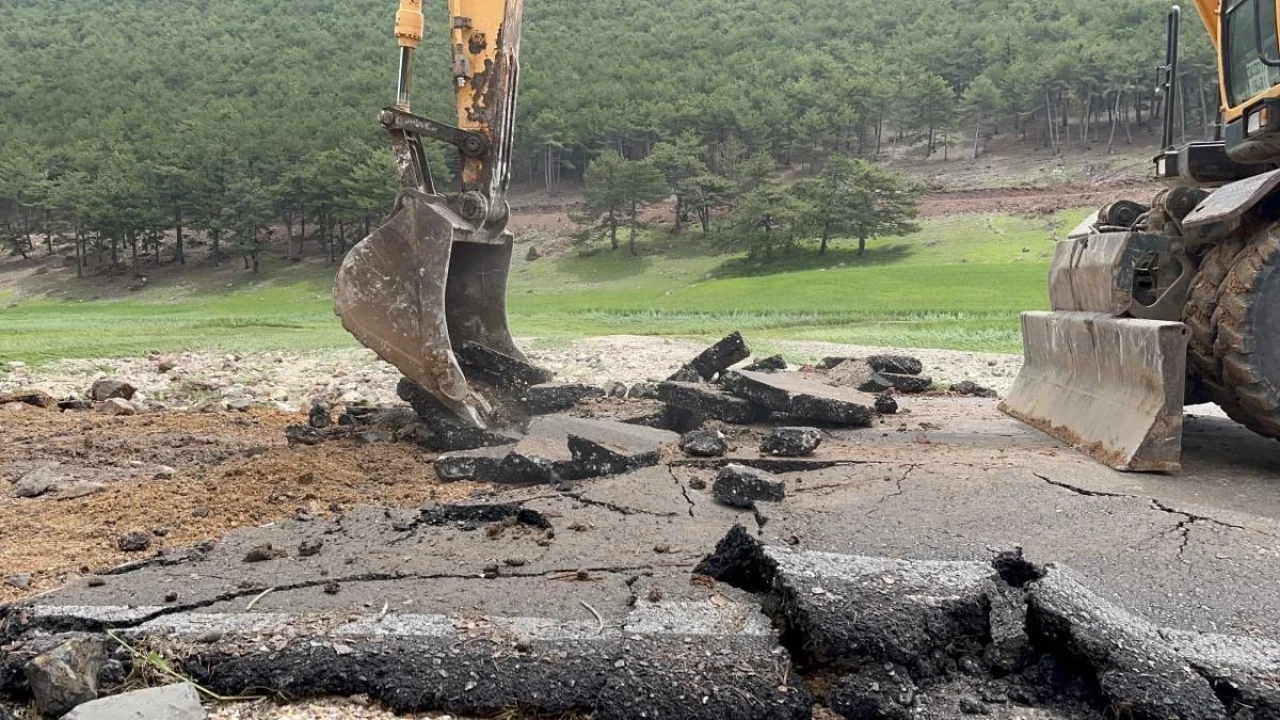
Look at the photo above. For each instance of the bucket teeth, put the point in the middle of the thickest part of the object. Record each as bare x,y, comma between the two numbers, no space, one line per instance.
1111,387
418,285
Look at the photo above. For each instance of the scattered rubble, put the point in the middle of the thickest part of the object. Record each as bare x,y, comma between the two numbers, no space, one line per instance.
106,389
773,363
911,384
495,367
886,404
968,387
704,443
742,487
117,407
320,416
560,448
801,399
66,674
792,441
134,541
714,360
703,401
896,364
179,701
36,398
551,398
40,481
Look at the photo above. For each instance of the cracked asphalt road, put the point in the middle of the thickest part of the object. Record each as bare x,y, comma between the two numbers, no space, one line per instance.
952,480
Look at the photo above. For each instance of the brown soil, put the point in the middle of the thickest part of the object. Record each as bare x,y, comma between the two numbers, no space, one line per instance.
241,473
1040,201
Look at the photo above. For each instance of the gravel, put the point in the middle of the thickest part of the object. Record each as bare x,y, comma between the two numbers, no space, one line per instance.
289,381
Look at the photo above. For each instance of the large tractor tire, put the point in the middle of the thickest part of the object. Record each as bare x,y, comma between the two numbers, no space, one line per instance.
1203,367
1234,317
1248,342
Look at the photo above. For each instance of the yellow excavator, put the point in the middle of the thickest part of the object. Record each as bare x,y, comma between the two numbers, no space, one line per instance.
1176,301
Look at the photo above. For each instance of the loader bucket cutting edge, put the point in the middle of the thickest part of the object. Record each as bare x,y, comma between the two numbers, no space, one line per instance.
1110,387
416,286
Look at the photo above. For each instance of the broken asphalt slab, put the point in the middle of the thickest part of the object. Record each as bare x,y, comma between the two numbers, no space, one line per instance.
560,448
799,398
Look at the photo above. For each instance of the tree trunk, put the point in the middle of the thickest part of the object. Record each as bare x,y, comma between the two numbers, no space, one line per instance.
1111,140
631,221
133,244
302,229
862,246
826,237
288,227
180,250
79,251
977,131
214,236
613,229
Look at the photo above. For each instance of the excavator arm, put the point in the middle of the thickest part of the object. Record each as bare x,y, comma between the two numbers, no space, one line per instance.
433,276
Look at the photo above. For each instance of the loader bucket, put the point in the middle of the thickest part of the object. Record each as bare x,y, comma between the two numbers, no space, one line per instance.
1111,387
421,284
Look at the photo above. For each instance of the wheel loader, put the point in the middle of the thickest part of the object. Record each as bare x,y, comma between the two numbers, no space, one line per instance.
1177,301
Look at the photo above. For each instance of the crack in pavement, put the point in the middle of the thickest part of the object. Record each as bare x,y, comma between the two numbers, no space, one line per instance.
1183,526
617,508
684,489
177,609
898,492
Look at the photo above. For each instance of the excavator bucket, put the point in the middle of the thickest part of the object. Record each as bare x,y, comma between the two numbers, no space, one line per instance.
422,284
1111,387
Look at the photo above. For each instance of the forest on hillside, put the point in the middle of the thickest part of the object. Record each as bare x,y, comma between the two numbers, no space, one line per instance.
124,120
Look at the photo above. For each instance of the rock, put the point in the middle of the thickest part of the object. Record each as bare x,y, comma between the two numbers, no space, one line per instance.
560,448
263,553
40,481
67,675
643,391
319,417
616,389
697,484
448,433
877,692
896,364
13,408
499,368
685,374
309,548
704,400
166,365
22,582
968,387
886,405
715,359
792,441
81,489
910,384
105,389
240,404
37,398
171,702
351,397
303,435
704,443
117,407
858,374
556,397
164,472
479,465
608,448
742,487
773,363
802,399
133,541
66,405
828,363
1015,569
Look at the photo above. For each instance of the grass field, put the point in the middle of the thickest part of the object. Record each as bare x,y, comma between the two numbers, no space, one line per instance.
958,283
